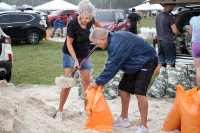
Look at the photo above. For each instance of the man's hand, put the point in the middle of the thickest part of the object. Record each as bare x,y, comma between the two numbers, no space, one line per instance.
92,85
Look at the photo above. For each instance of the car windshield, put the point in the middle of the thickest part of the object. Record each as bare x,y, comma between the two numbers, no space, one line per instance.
56,12
105,16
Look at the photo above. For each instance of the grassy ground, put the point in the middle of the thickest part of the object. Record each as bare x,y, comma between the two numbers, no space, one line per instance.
40,64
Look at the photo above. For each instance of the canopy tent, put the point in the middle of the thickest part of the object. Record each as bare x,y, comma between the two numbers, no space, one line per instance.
55,5
148,6
4,6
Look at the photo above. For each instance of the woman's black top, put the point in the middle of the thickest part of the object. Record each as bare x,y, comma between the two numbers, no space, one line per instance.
81,43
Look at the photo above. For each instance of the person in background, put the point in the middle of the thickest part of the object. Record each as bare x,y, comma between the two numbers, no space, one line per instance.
76,47
195,32
138,59
166,28
134,18
58,23
69,18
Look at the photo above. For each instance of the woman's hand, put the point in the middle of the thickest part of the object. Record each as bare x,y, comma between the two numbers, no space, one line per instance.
76,64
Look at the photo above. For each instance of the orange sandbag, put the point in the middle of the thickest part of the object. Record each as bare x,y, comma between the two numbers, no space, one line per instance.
98,112
173,119
47,35
190,112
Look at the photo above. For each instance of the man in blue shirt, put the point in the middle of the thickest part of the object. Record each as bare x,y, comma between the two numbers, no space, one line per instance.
137,58
58,23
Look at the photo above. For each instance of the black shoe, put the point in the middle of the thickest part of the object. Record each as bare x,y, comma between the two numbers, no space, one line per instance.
51,36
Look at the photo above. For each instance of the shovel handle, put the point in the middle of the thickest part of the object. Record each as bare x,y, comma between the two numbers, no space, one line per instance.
84,60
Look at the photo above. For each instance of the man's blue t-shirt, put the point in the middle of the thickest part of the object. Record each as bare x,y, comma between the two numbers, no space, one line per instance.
57,24
164,21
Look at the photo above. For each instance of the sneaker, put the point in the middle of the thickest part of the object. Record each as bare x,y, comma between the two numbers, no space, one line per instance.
121,122
59,116
142,129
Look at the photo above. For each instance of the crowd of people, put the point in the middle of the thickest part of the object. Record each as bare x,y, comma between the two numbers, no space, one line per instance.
127,52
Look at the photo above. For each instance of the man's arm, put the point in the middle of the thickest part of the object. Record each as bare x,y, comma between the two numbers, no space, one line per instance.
190,30
175,29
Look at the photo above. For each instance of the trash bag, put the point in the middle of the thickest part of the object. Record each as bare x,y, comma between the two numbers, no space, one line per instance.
98,112
173,119
190,111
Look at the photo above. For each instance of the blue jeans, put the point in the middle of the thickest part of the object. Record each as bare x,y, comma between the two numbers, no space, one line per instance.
68,62
166,53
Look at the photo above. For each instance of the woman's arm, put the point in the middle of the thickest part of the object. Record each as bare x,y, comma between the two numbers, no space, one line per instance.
71,50
97,24
190,31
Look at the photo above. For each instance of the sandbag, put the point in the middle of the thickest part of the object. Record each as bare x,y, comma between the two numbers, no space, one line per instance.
47,35
173,119
190,111
159,86
98,112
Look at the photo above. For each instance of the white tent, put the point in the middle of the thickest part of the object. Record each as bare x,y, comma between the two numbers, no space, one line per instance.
55,5
4,6
147,6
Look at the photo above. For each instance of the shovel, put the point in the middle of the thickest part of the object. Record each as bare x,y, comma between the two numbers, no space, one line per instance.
64,82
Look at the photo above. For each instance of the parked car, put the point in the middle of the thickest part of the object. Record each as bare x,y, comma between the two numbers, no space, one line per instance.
61,14
183,12
113,19
23,26
6,56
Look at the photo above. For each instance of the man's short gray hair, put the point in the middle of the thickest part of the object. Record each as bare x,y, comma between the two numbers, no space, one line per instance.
98,33
85,7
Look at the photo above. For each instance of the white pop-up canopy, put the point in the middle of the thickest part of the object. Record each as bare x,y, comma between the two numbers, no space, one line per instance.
55,5
4,6
147,6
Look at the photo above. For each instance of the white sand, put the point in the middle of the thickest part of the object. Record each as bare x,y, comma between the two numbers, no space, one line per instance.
30,109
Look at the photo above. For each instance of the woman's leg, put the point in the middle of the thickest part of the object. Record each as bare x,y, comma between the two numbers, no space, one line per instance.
65,91
85,80
197,67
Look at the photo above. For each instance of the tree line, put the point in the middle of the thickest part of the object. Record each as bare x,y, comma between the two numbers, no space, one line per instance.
104,4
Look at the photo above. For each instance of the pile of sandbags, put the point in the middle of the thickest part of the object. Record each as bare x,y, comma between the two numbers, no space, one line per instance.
147,32
166,82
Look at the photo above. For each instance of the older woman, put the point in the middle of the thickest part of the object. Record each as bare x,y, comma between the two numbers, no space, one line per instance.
77,47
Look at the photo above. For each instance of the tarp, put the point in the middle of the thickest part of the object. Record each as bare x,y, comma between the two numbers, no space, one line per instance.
55,5
147,6
4,6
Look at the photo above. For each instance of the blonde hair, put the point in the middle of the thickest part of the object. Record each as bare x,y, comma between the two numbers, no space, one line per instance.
98,33
85,7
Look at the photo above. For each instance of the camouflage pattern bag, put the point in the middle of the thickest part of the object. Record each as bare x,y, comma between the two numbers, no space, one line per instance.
192,75
179,44
111,90
176,76
187,38
159,86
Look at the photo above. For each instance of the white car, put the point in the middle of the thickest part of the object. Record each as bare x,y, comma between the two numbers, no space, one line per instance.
6,56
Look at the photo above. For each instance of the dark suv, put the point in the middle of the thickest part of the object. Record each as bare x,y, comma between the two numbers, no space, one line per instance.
23,26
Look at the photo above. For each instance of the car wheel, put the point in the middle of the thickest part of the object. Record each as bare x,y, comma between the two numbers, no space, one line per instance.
32,37
8,76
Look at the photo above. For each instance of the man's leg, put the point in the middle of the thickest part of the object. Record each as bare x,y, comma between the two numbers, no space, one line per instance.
143,108
61,32
125,99
53,33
